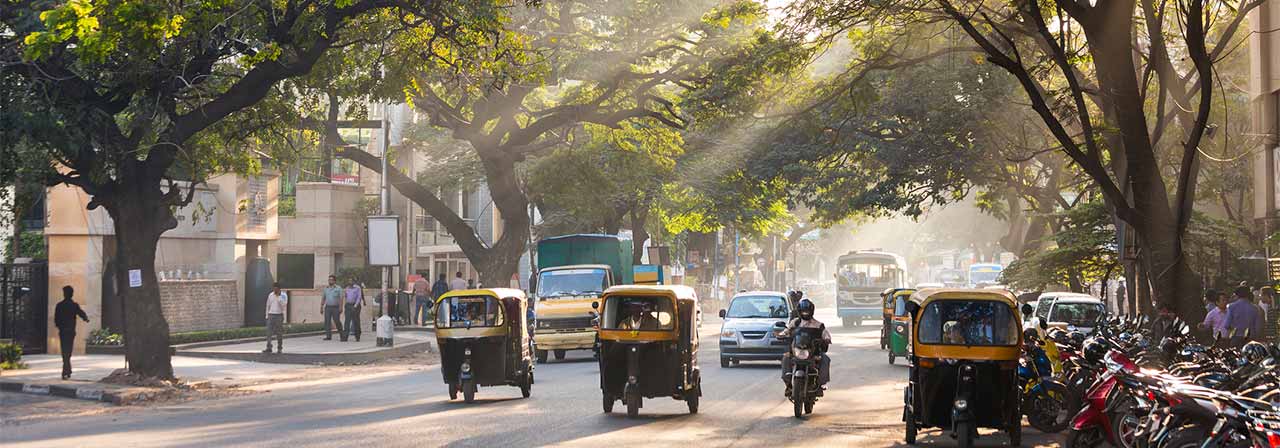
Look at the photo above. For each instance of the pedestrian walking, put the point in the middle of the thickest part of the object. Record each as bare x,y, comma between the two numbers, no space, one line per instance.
1244,319
354,303
439,287
471,283
331,306
457,283
277,302
1210,299
421,293
64,317
1216,320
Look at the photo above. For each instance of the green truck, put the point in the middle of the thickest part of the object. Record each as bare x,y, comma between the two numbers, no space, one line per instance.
573,272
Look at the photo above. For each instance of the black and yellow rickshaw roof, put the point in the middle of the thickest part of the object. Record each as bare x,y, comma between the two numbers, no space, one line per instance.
679,292
501,293
924,296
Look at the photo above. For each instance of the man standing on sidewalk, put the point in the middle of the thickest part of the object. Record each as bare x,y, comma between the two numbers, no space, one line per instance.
440,287
277,302
331,306
457,283
354,302
64,317
421,291
1243,317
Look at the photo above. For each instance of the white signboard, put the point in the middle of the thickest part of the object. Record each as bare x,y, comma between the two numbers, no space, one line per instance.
384,240
135,278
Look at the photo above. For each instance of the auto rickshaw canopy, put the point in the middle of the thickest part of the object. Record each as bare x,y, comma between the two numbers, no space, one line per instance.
666,312
972,324
492,321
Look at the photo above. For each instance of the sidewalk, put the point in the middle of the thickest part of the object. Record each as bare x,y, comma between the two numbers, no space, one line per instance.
312,349
43,376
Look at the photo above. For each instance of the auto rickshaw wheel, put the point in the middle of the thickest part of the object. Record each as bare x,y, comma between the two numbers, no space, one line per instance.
559,355
1015,435
469,391
911,427
964,435
691,400
541,355
892,358
633,403
453,391
724,362
527,385
608,404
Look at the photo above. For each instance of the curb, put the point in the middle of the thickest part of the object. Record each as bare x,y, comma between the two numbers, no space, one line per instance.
87,392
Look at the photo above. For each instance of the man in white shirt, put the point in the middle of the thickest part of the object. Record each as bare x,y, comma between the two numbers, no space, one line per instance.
277,302
1216,320
457,283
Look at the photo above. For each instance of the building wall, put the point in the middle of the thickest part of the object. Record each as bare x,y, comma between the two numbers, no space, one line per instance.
225,213
1264,96
325,225
195,305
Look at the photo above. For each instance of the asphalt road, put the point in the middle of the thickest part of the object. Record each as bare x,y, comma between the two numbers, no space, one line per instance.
741,406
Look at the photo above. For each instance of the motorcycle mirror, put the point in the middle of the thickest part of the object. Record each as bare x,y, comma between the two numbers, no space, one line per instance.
723,314
1043,326
595,305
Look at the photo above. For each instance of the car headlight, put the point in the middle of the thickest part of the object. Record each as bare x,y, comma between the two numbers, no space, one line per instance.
466,367
800,353
727,333
962,404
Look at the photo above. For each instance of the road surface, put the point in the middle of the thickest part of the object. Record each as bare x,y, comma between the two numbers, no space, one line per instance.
741,406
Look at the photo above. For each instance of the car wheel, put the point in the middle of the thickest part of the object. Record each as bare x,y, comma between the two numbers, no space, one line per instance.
724,362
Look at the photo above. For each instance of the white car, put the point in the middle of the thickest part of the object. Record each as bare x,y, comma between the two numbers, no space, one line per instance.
1069,311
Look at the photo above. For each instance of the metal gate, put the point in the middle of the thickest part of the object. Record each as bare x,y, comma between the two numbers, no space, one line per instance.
24,305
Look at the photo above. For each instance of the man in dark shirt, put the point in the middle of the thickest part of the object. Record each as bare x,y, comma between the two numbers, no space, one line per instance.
64,317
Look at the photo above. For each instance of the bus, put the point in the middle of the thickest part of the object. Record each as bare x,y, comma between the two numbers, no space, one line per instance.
984,274
860,278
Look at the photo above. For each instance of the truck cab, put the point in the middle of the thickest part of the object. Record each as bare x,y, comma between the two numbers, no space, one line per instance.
573,272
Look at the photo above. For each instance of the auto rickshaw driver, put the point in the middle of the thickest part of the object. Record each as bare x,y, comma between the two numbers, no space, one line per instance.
639,317
805,309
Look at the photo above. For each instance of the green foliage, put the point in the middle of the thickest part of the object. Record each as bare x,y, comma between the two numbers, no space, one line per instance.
105,336
238,333
1082,252
30,244
288,206
11,356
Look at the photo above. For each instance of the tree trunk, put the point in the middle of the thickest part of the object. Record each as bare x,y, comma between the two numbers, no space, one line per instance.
639,219
139,221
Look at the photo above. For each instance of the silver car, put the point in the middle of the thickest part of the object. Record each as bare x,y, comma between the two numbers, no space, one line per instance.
750,327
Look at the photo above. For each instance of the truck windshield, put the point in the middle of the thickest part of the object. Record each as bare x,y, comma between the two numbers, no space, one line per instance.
571,282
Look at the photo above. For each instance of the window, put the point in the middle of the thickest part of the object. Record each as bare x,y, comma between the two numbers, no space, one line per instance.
868,275
900,306
469,312
337,262
1042,309
643,313
968,322
759,307
572,282
296,271
1078,314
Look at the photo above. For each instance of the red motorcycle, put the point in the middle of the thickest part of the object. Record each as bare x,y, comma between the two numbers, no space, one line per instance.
1099,420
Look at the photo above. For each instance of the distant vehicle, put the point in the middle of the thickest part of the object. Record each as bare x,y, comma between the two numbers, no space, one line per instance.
573,272
928,285
748,333
860,278
952,278
982,275
1069,311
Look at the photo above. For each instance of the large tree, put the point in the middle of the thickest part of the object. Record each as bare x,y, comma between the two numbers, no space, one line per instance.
126,98
553,70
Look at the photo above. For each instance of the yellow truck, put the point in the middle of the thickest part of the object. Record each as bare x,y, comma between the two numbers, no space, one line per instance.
573,272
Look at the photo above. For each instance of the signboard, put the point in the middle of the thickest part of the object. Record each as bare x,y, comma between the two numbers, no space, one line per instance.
135,278
384,240
1273,269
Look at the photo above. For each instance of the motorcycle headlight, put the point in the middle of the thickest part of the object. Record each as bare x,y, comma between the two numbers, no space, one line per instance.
899,329
727,334
962,405
466,367
466,351
800,353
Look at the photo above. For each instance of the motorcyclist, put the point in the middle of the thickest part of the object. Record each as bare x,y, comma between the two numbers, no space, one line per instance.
804,310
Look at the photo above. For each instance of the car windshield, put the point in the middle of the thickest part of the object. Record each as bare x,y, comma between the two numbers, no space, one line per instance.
644,313
571,282
469,311
968,322
762,307
1078,314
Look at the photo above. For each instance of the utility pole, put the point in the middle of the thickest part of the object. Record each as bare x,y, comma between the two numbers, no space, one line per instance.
384,200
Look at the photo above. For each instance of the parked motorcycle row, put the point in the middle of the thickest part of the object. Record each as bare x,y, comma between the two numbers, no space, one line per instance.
1141,383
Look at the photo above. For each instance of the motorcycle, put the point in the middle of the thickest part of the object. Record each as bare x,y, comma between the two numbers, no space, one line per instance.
1043,398
803,377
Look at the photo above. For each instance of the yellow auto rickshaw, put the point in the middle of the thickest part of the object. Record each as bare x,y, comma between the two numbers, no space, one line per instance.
649,345
483,341
964,358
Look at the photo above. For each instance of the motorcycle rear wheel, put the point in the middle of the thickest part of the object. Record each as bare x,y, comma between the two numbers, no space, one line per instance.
964,435
1048,412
